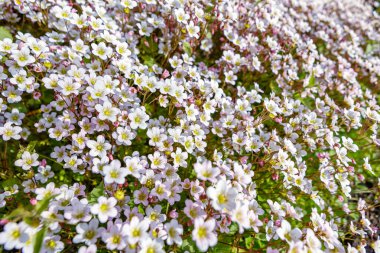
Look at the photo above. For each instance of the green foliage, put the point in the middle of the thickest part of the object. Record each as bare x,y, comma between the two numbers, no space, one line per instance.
97,192
39,238
187,48
5,33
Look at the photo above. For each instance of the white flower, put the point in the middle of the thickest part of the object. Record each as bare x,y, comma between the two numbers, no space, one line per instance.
151,246
105,208
368,166
222,196
14,236
10,132
136,230
47,191
130,4
349,144
179,158
27,160
23,57
133,166
272,107
174,230
107,111
87,232
79,46
193,30
158,160
15,116
123,136
90,249
191,112
98,147
241,215
312,241
138,119
101,50
52,244
205,171
114,173
376,246
114,237
203,234
156,136
285,232
69,86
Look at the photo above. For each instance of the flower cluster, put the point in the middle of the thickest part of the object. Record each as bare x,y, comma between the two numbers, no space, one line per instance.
189,125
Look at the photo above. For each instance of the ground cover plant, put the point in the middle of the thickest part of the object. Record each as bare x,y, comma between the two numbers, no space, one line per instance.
189,126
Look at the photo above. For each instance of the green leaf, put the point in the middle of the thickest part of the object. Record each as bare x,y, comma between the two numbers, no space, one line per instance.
9,183
32,221
311,80
274,87
19,212
234,228
43,204
29,148
96,193
248,242
38,239
4,33
221,247
187,48
189,245
148,60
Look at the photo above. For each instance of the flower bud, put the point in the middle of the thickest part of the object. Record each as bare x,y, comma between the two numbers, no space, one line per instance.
173,214
36,95
33,201
43,163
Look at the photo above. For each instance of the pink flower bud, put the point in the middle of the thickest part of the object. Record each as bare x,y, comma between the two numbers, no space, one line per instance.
277,223
110,156
321,156
360,177
33,201
244,159
36,95
275,176
340,198
3,222
165,74
278,120
37,69
133,90
43,163
261,163
173,214
116,123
